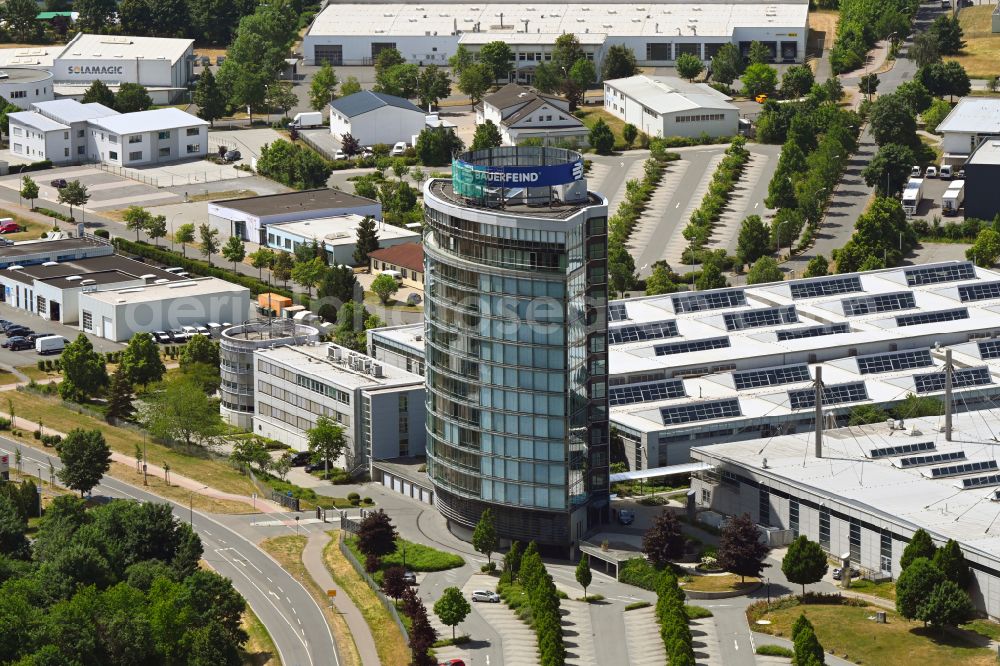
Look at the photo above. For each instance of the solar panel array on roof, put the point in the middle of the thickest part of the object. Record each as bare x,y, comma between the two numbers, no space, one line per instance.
980,481
649,392
934,381
936,274
786,374
759,317
691,346
812,331
636,332
989,349
898,360
932,317
901,449
862,305
617,312
979,291
700,411
834,394
825,287
917,461
961,468
709,300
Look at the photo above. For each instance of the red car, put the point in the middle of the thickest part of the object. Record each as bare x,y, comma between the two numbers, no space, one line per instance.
9,227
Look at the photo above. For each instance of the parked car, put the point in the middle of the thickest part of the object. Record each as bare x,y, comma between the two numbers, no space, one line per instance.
203,330
626,516
409,578
4,242
220,59
761,98
946,171
17,343
915,171
50,344
9,227
58,183
340,155
177,335
486,596
961,174
317,467
452,662
301,458
162,337
189,331
205,61
398,149
18,331
931,172
232,156
838,573
35,336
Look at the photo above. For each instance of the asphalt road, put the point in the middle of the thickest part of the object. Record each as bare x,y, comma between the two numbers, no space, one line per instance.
292,617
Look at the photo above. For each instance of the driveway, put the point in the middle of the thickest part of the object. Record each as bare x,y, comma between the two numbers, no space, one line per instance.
247,141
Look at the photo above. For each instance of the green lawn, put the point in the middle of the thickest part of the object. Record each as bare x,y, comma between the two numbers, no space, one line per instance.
418,557
848,632
886,590
986,628
590,113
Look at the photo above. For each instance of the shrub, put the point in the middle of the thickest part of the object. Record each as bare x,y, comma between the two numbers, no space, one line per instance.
775,651
37,434
635,605
4,424
697,612
102,233
367,500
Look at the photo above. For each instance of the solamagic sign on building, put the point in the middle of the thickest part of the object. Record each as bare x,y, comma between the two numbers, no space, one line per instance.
96,70
470,179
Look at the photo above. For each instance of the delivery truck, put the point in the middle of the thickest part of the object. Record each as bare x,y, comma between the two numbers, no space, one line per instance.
953,197
308,119
913,195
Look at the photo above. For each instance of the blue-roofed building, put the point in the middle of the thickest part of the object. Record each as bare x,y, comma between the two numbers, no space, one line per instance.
372,117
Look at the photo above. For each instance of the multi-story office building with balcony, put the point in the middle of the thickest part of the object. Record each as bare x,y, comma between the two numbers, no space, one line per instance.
516,344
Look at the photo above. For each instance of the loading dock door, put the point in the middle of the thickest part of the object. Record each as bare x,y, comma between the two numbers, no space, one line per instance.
109,329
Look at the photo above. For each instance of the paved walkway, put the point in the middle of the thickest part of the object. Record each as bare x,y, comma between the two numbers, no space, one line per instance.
312,559
645,647
520,647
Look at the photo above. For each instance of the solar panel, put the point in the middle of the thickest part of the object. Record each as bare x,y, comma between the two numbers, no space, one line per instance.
917,461
833,394
862,305
617,312
633,393
636,332
980,291
700,411
934,381
825,287
691,346
756,318
932,317
786,374
709,300
961,468
989,349
812,331
899,360
901,449
936,274
980,481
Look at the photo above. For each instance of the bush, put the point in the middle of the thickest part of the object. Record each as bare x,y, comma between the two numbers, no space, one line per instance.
639,572
727,174
51,440
367,500
48,212
635,605
775,651
102,233
4,424
353,496
34,166
697,612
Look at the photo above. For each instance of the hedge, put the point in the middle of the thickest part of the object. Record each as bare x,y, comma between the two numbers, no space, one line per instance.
720,189
169,257
34,166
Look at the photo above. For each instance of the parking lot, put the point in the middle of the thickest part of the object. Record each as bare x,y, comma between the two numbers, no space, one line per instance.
39,325
107,190
930,206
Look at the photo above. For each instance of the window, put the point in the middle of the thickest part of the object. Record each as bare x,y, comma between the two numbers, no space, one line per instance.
113,138
165,152
135,156
88,321
18,94
793,517
855,541
66,135
764,506
885,552
18,131
824,529
80,150
79,134
135,138
18,148
193,148
193,131
65,152
42,305
163,135
112,155
270,239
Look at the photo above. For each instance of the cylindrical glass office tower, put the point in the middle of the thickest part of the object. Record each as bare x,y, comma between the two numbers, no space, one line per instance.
516,344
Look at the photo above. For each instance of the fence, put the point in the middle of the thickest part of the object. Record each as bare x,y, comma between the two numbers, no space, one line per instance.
211,174
317,146
389,606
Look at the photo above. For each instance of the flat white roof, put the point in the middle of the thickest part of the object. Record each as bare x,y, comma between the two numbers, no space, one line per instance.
36,120
316,360
120,47
165,291
72,111
338,230
667,94
973,114
546,21
28,56
153,120
987,153
410,336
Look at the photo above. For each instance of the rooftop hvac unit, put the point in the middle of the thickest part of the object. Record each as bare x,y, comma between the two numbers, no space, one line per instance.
334,353
88,281
376,369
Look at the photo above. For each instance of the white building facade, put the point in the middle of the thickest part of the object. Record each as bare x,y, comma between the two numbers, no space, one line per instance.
522,114
669,106
336,235
373,118
23,86
972,121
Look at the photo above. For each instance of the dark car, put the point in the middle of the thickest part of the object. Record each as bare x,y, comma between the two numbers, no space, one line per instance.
34,336
17,343
18,332
838,573
177,335
626,516
317,467
232,156
162,337
410,578
301,458
58,183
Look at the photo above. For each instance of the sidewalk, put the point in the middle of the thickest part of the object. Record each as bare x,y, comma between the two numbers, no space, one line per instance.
312,558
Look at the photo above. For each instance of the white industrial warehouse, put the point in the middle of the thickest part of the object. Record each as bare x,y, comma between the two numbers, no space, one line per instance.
336,235
669,106
346,33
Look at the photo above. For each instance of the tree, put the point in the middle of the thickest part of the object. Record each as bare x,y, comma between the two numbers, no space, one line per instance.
13,542
869,84
400,80
689,66
323,87
920,545
119,396
85,456
619,63
808,651
711,277
601,137
484,537
475,80
487,136
754,240
986,249
84,371
892,121
621,268
394,582
384,286
818,266
184,235
200,351
916,96
282,267
629,134
801,622
945,78
797,81
156,228
132,97
759,54
74,194
727,64
340,284
947,32
141,360
29,190
499,57
804,562
740,548
947,605
234,250
20,18
889,169
436,145
925,49
376,538
663,541
433,85
99,93
248,453
136,218
350,86
661,281
583,574
208,98
759,79
950,560
452,608
367,241
915,585
180,411
260,259
935,114
462,60
581,76
209,241
326,442
281,96
422,636
765,269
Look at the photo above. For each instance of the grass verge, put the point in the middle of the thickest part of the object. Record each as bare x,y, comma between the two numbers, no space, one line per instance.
32,229
986,628
720,583
636,605
389,641
886,590
697,612
33,372
182,496
260,649
982,48
591,113
225,194
418,557
287,550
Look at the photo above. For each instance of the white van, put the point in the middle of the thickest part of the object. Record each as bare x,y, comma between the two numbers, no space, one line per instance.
946,171
50,344
395,275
